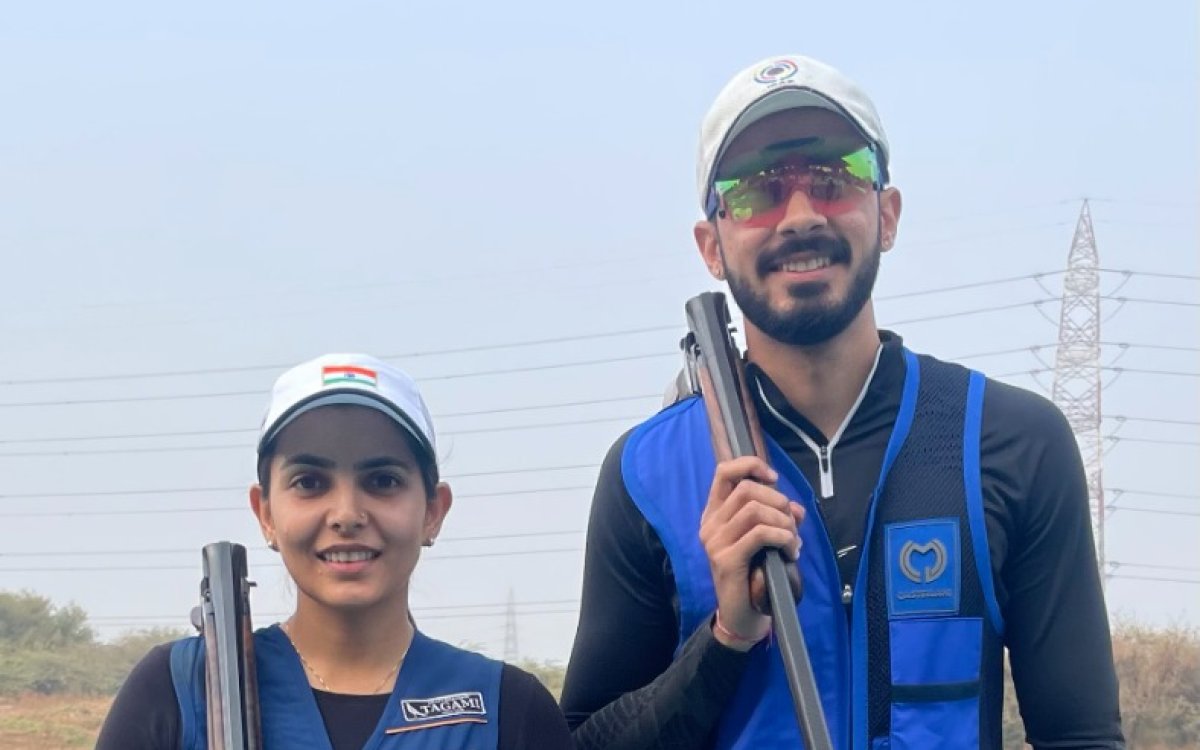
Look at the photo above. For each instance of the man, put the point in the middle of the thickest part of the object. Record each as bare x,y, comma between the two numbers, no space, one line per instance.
937,517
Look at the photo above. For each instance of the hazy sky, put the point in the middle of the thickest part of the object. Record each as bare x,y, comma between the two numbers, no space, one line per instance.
223,191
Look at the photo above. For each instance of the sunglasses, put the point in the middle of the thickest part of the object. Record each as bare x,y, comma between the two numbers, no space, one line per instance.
833,186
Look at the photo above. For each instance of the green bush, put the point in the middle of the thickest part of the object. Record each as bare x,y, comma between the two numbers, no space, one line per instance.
49,650
31,621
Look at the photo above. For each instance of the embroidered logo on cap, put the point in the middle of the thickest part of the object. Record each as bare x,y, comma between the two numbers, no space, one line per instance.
923,566
443,706
340,374
777,72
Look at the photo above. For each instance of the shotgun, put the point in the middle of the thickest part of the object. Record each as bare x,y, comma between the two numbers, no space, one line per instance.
229,676
715,372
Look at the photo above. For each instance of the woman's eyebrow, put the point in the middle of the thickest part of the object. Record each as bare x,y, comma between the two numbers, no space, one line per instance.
380,462
308,459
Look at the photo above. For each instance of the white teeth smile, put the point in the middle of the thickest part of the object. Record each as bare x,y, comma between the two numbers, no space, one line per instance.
349,557
800,266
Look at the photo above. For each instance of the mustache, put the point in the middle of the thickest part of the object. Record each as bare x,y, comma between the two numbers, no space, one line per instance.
835,248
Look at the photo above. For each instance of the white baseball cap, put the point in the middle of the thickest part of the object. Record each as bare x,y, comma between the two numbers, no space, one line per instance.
773,85
348,379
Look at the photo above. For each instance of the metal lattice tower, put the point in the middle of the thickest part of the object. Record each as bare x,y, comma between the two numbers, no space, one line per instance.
510,630
1077,364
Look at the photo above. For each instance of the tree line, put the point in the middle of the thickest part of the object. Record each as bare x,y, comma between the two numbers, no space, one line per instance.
51,650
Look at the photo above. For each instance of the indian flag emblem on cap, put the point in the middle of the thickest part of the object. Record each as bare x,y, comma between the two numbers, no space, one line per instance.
341,374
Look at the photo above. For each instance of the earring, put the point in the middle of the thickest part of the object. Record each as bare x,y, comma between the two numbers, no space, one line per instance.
272,545
429,542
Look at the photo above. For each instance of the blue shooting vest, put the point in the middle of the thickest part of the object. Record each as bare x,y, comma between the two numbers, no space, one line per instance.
918,663
445,698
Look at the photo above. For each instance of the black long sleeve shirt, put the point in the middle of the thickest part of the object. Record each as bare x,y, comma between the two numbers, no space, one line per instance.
623,690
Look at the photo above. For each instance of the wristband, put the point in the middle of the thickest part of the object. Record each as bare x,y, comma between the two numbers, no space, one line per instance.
732,635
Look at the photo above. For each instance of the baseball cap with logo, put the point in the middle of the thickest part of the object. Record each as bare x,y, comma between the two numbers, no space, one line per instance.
774,85
348,379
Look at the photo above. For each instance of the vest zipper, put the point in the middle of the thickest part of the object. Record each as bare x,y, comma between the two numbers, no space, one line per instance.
824,452
826,471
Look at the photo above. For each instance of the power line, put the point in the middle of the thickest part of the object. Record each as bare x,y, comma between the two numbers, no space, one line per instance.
482,430
193,550
129,436
416,610
1151,274
536,368
1149,493
122,493
243,430
1155,511
249,447
184,621
580,337
972,285
1006,213
458,278
461,350
377,307
1034,348
1147,301
556,405
1161,579
1148,566
1172,373
422,280
976,311
1154,420
480,412
242,487
563,404
243,507
409,355
1006,232
1119,439
143,568
1001,352
262,393
1152,204
1151,346
455,350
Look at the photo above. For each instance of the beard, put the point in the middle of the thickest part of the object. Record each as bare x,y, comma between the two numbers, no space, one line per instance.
814,322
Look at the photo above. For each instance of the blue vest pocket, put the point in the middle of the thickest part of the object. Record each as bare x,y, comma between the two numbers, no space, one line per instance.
935,682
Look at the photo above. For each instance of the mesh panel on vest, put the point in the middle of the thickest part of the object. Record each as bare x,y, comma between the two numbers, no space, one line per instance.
926,481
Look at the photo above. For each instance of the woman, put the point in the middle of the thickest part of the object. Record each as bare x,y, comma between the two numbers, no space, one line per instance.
347,493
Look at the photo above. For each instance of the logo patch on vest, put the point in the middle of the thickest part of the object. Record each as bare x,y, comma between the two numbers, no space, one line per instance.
923,566
443,706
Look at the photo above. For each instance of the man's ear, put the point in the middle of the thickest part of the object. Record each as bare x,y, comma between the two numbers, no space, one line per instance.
889,217
708,242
